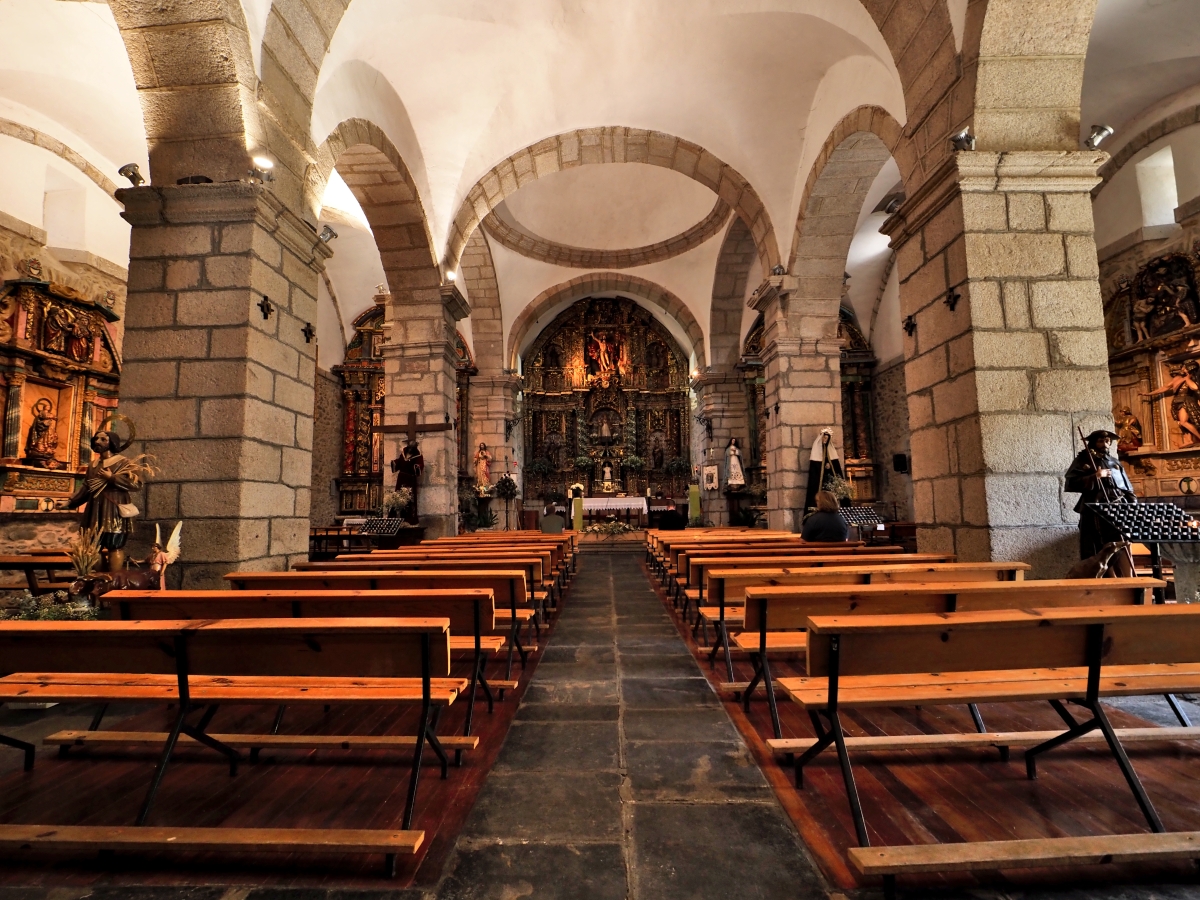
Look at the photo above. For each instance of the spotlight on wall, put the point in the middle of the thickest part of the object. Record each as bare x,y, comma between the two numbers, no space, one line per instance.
778,270
451,276
1100,133
131,171
262,171
964,140
327,234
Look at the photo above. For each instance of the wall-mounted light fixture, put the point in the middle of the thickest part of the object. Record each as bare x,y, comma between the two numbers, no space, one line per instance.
964,140
708,425
327,234
263,170
1100,133
266,307
131,171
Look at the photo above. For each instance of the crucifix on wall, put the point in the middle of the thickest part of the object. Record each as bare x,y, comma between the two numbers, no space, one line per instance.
409,465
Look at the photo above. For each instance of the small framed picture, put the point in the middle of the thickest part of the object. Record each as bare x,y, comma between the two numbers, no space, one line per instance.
712,480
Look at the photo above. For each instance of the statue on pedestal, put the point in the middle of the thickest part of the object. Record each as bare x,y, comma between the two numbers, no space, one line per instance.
408,467
106,487
735,475
42,440
483,469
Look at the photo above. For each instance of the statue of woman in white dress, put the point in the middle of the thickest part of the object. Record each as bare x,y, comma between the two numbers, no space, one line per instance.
735,475
483,469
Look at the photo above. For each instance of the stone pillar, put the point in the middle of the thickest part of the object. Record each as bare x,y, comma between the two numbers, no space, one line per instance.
12,415
218,380
802,367
722,400
418,364
493,404
1007,356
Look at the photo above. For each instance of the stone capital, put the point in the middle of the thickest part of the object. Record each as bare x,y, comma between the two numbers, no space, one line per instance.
456,304
981,171
774,287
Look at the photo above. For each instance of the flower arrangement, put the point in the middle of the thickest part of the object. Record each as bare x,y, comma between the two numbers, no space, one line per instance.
677,466
506,488
396,502
839,487
635,463
84,551
576,490
540,467
55,606
611,528
583,463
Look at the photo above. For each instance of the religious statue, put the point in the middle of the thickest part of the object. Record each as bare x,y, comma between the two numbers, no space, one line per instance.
107,483
1129,430
483,469
162,555
606,471
1098,478
735,475
1185,404
42,441
408,467
605,352
824,468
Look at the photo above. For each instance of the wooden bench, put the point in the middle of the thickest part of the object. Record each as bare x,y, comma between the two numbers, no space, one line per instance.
471,613
507,586
698,566
778,611
248,661
728,585
1076,654
48,562
564,546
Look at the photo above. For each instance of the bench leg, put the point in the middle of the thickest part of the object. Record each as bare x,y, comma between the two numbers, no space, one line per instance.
1064,713
168,749
431,736
769,685
207,717
98,717
1135,783
860,824
411,802
1178,710
889,887
756,659
978,719
196,734
810,754
1057,741
26,748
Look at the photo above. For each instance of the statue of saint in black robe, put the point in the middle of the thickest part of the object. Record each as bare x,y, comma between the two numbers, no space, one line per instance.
1098,478
408,467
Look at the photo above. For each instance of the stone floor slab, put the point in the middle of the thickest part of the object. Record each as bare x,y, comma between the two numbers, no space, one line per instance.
539,872
559,746
549,806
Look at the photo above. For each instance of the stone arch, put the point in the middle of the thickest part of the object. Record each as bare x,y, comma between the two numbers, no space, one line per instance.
1184,118
837,185
31,135
614,144
1029,73
729,295
601,282
376,174
478,273
194,72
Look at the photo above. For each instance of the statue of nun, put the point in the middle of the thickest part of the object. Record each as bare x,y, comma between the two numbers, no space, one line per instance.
822,465
735,475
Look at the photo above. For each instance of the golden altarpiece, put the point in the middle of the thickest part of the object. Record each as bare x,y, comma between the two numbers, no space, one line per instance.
61,371
1152,322
360,484
606,404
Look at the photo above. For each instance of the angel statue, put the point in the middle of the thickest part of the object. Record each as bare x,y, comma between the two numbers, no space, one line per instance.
162,555
107,484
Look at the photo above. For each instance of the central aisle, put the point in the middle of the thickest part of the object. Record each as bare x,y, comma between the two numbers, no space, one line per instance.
622,776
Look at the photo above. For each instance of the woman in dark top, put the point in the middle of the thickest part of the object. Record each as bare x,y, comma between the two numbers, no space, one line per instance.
826,524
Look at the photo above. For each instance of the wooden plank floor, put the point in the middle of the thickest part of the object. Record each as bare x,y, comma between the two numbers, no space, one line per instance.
284,789
945,796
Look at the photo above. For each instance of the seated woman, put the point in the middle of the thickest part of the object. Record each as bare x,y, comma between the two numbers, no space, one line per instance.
826,524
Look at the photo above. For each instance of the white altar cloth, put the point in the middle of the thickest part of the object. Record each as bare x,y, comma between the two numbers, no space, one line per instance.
636,504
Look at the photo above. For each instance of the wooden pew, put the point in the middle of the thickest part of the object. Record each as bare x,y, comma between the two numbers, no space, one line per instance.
728,586
564,545
535,565
470,612
787,608
250,661
662,560
1079,654
48,562
507,586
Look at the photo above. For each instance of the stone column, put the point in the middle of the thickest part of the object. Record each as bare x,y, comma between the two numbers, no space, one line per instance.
802,367
418,364
219,380
87,427
722,400
493,403
12,415
1007,357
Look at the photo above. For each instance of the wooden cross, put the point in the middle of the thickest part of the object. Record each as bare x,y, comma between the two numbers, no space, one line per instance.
411,428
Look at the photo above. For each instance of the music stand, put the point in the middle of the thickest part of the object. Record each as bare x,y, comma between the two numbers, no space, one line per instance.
861,517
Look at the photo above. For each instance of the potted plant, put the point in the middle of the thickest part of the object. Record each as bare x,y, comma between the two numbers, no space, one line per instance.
540,468
506,490
635,463
677,467
396,503
583,463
